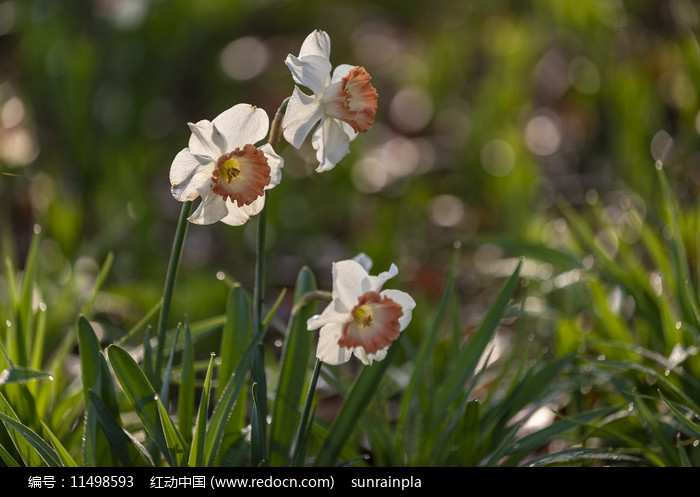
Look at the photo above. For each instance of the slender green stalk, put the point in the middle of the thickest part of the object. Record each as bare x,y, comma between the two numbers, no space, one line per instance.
259,288
258,366
175,254
258,369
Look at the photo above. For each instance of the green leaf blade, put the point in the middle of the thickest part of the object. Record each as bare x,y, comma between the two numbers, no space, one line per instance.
293,373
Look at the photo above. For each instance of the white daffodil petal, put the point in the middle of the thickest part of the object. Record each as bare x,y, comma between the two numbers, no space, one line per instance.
210,210
302,114
405,301
376,282
328,349
349,278
352,134
329,315
201,141
238,216
317,43
313,71
241,125
275,162
378,356
190,188
363,260
340,72
186,176
363,356
331,144
183,167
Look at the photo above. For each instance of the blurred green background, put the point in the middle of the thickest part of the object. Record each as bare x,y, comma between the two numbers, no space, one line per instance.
488,113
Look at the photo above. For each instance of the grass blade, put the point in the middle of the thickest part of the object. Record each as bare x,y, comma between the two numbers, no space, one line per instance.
426,350
23,330
165,387
693,429
94,369
20,374
185,403
45,451
176,444
469,356
257,429
302,436
228,399
530,443
234,340
101,277
356,402
200,428
98,450
169,285
141,396
122,445
24,448
7,458
293,373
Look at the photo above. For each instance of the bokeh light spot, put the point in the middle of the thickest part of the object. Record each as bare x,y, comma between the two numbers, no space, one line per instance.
372,35
662,146
542,135
244,58
369,175
411,109
400,156
446,210
497,157
12,112
18,146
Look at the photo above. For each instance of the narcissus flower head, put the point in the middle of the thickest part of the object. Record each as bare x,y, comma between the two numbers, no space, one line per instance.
224,167
362,319
343,103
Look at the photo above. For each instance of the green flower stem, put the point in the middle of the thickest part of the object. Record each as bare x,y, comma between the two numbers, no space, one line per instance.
258,365
258,289
258,369
175,255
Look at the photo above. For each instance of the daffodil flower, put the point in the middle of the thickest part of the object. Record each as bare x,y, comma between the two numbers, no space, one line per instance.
362,319
223,166
343,104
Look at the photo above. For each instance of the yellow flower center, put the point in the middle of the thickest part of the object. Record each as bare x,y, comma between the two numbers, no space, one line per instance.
229,170
362,315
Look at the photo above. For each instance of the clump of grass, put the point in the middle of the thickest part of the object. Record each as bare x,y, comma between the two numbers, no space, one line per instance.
640,332
431,417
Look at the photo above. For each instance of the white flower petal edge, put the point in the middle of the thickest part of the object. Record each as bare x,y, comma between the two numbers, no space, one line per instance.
363,260
331,142
303,112
317,43
361,319
222,165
